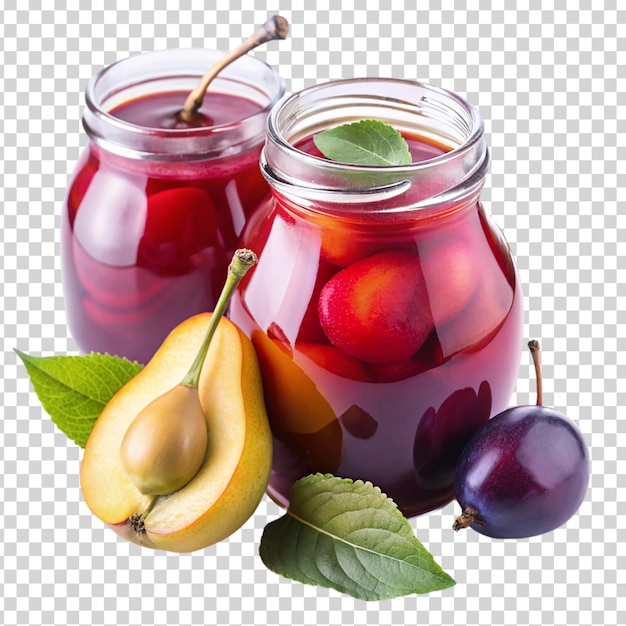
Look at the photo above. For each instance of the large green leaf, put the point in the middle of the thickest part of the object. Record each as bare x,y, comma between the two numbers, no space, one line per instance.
73,390
349,536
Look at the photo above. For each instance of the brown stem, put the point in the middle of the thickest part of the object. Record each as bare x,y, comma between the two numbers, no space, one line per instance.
535,350
467,518
276,27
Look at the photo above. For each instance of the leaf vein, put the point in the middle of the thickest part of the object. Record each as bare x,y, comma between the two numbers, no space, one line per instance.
341,539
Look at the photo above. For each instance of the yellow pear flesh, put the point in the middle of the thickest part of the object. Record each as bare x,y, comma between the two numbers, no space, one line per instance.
232,480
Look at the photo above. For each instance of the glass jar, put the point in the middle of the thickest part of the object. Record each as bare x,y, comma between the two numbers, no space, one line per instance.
154,208
385,309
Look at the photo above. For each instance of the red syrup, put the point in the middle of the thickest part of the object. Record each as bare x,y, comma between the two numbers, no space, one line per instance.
146,243
383,346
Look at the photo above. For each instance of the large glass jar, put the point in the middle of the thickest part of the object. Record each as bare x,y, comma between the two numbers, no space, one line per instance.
155,207
385,308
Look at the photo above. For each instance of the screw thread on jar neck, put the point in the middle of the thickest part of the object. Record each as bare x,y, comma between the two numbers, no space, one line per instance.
178,70
414,108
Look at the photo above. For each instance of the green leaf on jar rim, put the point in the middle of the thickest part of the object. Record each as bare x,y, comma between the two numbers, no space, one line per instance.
73,390
367,142
349,536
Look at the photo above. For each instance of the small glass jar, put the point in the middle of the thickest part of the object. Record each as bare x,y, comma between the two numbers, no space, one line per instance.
154,208
385,309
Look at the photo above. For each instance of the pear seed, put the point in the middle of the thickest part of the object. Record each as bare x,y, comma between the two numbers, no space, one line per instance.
165,445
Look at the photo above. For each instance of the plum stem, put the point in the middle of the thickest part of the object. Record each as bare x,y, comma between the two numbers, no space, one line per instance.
467,518
242,261
276,27
535,350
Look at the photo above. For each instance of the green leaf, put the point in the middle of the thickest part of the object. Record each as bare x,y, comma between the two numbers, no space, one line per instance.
368,142
351,537
73,390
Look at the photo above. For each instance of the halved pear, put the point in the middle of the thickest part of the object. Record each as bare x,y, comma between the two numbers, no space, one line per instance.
234,475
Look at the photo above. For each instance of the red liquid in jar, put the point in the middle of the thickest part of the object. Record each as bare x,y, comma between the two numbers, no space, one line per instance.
147,246
162,110
383,346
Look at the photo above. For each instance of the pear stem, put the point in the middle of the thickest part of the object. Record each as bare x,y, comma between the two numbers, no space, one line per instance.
243,260
535,350
276,27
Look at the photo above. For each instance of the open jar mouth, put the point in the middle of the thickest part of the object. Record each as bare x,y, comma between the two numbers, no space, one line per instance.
178,70
411,107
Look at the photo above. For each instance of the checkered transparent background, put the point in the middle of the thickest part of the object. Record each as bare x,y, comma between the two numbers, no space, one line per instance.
549,78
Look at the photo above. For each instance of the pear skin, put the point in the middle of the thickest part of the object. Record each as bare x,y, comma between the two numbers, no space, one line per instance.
234,474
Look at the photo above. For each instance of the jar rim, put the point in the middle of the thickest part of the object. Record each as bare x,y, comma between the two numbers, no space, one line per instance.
125,138
288,99
409,105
